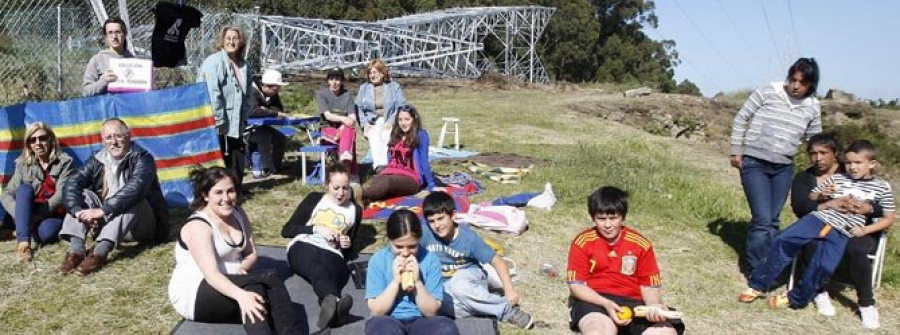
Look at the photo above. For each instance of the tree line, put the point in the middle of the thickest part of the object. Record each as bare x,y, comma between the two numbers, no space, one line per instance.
585,41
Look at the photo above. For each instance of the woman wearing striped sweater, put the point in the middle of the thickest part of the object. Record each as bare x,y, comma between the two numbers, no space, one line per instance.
765,136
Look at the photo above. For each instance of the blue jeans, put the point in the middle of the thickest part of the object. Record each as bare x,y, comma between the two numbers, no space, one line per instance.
766,186
47,229
429,325
467,294
785,248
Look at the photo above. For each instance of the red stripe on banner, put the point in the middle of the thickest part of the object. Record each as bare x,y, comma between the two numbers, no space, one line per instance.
4,179
174,128
80,140
188,160
11,145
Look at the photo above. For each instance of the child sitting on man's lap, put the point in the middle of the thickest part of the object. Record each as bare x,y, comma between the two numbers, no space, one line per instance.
465,282
611,267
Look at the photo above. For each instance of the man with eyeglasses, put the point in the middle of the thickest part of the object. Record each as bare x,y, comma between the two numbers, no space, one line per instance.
115,194
97,74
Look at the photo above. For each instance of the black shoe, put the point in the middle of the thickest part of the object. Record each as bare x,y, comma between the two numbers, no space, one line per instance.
328,308
343,311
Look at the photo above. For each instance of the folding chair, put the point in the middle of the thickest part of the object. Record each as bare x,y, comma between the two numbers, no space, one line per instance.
877,259
317,176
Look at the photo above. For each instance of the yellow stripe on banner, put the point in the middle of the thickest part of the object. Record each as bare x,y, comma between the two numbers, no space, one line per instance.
12,134
181,172
169,118
174,117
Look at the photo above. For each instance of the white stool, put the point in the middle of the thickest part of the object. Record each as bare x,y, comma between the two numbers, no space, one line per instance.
455,122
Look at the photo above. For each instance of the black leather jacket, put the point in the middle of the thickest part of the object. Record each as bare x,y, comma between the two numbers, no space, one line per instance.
141,182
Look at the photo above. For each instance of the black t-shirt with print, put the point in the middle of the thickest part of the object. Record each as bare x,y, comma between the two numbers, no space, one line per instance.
173,22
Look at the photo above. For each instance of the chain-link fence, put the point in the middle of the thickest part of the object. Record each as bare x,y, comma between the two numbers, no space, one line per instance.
45,44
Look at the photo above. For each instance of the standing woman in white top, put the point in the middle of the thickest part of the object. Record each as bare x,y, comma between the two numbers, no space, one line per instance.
213,257
765,136
227,78
321,230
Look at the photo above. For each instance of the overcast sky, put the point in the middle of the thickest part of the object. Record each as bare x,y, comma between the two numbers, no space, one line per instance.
728,45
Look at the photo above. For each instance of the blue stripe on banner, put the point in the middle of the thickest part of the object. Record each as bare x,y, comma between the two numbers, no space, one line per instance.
8,159
184,97
82,110
14,117
102,107
178,193
191,143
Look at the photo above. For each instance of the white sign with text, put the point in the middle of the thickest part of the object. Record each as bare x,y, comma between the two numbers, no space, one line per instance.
134,75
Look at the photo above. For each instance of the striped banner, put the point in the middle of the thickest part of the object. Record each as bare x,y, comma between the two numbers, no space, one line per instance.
175,125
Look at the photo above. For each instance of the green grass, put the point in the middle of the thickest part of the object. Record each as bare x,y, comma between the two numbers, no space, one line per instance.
684,198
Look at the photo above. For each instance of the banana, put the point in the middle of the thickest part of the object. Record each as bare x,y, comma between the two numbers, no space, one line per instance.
407,280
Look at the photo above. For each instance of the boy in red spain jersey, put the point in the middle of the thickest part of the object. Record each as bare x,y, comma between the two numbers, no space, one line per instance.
610,267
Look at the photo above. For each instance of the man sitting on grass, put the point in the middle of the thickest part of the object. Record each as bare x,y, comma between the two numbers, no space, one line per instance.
465,282
611,267
117,195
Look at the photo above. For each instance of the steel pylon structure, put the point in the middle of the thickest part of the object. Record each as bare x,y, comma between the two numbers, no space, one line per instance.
444,43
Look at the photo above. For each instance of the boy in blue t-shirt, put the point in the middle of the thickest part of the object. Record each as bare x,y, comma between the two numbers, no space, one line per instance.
461,251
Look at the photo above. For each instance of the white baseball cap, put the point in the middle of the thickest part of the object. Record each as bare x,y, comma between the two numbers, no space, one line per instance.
272,77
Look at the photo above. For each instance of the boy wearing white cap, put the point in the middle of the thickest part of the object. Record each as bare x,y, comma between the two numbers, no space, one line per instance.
270,143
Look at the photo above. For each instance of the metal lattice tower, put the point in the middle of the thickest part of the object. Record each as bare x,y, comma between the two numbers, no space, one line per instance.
445,43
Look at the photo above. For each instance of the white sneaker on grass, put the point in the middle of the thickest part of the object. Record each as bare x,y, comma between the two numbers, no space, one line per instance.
869,315
823,304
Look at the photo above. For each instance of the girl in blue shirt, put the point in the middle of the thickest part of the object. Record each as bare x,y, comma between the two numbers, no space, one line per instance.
405,310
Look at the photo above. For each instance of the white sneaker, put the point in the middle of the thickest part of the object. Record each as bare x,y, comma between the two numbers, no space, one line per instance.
823,304
869,317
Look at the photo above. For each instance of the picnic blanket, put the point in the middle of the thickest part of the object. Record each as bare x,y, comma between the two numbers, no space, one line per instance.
434,154
306,304
381,210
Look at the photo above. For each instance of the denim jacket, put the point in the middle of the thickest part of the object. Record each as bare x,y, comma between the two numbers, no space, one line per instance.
365,102
230,98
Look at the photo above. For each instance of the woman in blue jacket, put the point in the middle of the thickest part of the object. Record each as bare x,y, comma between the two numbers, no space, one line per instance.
227,78
377,103
408,170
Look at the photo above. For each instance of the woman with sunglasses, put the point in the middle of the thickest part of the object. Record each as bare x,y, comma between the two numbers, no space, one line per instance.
33,197
408,170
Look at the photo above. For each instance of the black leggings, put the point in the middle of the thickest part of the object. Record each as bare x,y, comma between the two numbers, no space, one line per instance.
324,270
214,307
860,267
233,155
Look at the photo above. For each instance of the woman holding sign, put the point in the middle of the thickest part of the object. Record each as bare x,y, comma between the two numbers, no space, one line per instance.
227,78
97,75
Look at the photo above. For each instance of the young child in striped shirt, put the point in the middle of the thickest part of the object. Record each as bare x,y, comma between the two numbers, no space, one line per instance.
832,228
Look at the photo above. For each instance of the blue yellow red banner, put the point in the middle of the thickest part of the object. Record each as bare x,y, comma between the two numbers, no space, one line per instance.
175,125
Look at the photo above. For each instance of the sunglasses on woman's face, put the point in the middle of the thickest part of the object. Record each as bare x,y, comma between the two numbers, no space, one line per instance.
42,138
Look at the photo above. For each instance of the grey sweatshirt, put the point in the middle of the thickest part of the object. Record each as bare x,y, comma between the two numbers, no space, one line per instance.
771,125
96,67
